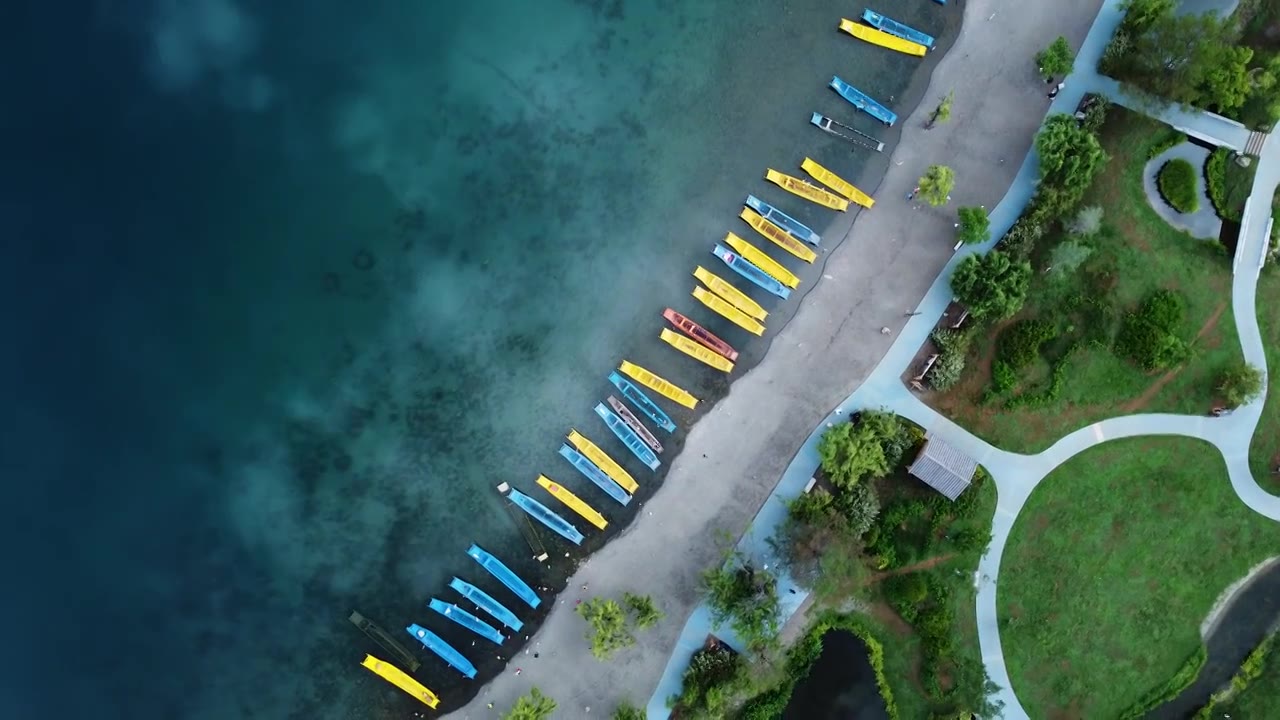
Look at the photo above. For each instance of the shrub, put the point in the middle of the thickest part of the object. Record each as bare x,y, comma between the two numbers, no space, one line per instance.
953,348
608,633
1215,181
975,226
992,286
644,611
849,452
936,184
1149,337
534,706
627,711
1056,59
1240,384
859,506
1003,377
1067,257
714,676
908,589
1177,181
747,599
1086,223
1020,344
1021,239
1166,139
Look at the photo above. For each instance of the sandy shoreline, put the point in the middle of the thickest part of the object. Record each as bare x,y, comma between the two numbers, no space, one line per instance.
734,457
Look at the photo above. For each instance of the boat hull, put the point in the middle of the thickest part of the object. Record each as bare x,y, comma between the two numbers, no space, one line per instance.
546,516
777,235
504,575
486,602
795,228
699,333
836,183
695,350
761,259
812,193
726,310
442,649
402,680
628,437
883,39
595,474
467,620
893,27
642,402
634,423
658,384
731,294
573,502
748,270
862,101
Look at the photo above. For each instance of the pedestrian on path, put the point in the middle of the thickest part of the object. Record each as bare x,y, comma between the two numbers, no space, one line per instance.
1057,89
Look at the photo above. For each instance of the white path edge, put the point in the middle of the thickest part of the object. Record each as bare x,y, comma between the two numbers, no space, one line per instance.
1016,475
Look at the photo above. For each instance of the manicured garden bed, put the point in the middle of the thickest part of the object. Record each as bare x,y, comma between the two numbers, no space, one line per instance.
1111,567
1177,181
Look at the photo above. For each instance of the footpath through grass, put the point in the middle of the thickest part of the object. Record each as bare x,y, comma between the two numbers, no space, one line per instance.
1134,254
1112,565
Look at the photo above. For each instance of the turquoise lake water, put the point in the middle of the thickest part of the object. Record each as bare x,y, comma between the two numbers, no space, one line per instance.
292,286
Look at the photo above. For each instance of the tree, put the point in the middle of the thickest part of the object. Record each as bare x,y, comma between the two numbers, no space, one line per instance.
975,226
534,706
1141,14
1240,384
849,452
644,611
991,286
1086,223
942,113
747,599
627,711
1191,60
1070,156
1057,59
608,632
936,184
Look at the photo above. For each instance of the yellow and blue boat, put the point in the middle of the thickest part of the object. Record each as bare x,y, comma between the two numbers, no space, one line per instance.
726,310
402,680
642,402
726,290
595,474
658,384
546,516
573,502
777,235
751,271
603,461
623,432
883,39
812,193
835,182
762,260
893,27
795,228
486,602
696,351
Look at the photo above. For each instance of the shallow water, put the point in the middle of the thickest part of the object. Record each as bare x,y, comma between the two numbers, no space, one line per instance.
290,287
841,685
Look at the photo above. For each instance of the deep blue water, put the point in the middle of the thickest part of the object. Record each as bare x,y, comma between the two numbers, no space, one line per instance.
289,287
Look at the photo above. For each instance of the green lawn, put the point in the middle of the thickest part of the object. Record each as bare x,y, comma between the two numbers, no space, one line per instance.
1135,253
1112,565
1264,449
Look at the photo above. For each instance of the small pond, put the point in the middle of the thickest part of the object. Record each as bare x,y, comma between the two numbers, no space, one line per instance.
841,685
1242,626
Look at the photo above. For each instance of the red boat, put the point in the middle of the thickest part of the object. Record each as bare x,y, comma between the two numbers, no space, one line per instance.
699,333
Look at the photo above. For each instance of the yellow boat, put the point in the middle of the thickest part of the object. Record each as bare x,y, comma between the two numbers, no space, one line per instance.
761,260
603,461
726,290
837,183
663,387
883,39
812,193
402,680
573,502
780,237
726,310
696,351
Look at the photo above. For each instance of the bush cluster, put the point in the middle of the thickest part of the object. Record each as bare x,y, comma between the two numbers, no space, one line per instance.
714,676
1215,181
1020,344
1166,139
1149,337
953,349
1177,181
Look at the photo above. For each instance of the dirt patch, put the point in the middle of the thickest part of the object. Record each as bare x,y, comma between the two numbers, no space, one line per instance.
890,619
1070,712
922,565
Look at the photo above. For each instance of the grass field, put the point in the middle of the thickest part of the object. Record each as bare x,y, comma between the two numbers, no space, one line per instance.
1111,567
1264,449
1135,254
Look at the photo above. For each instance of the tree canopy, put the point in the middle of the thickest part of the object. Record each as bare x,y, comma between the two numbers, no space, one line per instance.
1070,157
942,113
747,599
1240,384
849,452
1057,59
991,286
975,226
1190,59
936,184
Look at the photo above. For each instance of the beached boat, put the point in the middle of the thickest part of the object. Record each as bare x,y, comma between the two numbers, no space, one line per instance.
695,350
546,516
893,27
762,260
402,680
573,502
603,461
777,235
750,271
837,183
467,620
388,643
862,101
812,193
628,437
504,575
432,642
845,132
727,311
795,228
642,402
699,333
595,474
658,384
487,603
634,423
883,39
726,290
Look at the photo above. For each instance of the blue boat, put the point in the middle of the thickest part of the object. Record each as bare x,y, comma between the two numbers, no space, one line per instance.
863,102
546,516
642,401
432,642
467,620
504,575
485,602
748,270
893,27
628,437
595,474
794,227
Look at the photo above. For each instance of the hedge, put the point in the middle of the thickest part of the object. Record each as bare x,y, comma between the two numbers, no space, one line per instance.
1215,181
1171,688
1169,138
1177,181
1020,344
1249,671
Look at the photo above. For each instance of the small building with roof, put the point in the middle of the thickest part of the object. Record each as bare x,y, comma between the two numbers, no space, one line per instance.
943,467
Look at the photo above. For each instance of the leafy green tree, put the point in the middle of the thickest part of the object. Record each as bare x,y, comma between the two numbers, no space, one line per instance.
714,677
747,599
1192,60
1240,384
936,184
991,286
1070,157
975,226
849,452
1057,59
627,711
942,112
1149,337
1067,257
643,610
1142,14
534,706
607,627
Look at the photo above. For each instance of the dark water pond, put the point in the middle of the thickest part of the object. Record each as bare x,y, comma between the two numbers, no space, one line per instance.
1247,620
841,685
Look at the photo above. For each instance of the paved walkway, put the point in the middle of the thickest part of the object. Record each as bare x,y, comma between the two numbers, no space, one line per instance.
1017,475
1204,223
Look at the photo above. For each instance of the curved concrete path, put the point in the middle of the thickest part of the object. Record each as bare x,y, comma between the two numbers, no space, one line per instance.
1204,223
1015,475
